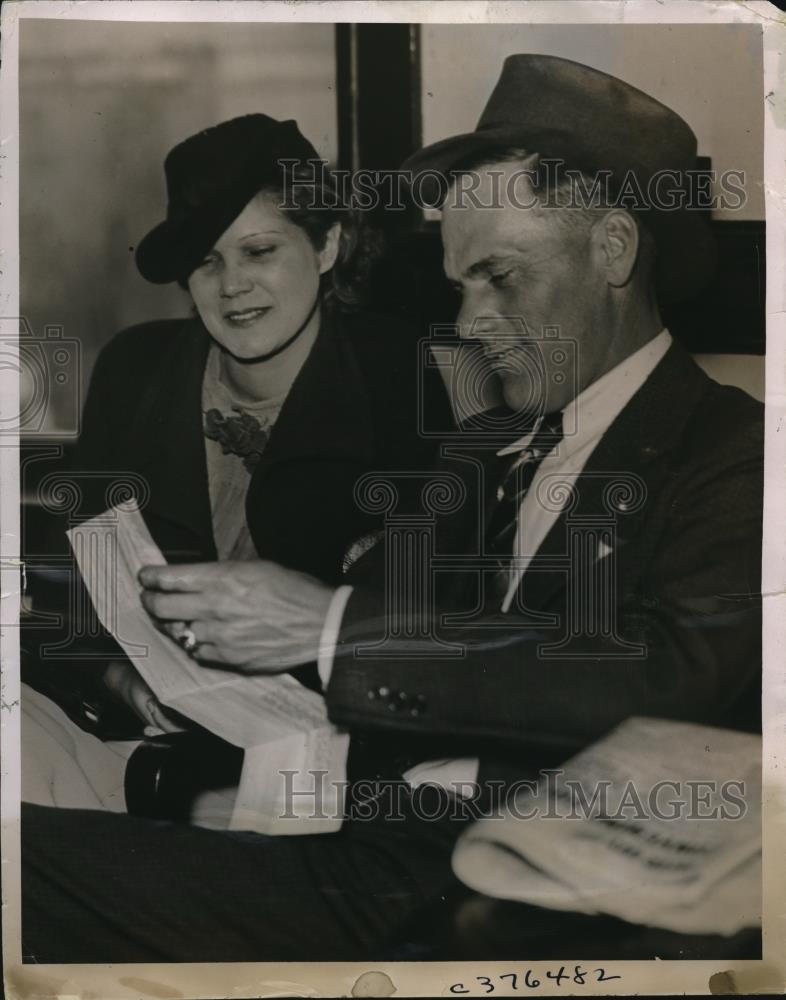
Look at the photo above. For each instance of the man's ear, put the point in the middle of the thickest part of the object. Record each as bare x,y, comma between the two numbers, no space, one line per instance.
329,252
616,238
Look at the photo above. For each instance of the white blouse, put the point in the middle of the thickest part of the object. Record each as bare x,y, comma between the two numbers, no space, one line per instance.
227,473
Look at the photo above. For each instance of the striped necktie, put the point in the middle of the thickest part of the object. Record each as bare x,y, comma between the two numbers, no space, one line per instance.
513,488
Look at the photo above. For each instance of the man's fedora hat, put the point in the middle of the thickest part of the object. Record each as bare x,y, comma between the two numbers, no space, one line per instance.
210,179
592,122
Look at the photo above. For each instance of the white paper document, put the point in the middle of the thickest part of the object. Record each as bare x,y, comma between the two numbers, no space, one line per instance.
674,841
278,722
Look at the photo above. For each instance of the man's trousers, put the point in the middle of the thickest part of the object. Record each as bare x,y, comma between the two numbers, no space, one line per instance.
101,887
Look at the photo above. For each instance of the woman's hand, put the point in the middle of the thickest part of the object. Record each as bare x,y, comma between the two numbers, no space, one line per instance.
127,686
255,617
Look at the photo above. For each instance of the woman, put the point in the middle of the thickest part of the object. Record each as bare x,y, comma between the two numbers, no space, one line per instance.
249,422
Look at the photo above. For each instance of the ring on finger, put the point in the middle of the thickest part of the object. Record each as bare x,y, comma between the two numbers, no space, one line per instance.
188,640
174,630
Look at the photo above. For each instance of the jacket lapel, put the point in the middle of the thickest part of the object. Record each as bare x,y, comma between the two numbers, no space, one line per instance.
631,453
479,471
300,507
324,414
171,451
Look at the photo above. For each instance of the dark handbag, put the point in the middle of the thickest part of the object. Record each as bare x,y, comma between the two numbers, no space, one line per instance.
165,774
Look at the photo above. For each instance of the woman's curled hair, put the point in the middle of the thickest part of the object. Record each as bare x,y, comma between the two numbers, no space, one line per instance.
311,201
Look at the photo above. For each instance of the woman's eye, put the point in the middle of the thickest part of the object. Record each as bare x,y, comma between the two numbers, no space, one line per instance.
206,262
257,252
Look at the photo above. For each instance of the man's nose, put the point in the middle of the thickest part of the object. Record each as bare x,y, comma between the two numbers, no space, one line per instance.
474,321
468,315
234,280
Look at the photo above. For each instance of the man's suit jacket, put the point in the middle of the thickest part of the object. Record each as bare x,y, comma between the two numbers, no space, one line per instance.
354,407
687,590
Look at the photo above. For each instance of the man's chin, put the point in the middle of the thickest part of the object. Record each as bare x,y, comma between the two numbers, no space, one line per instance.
521,398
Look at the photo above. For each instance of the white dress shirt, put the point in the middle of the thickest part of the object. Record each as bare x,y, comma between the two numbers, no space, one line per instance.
585,420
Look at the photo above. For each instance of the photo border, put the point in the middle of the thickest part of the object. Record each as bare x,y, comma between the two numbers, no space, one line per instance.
413,978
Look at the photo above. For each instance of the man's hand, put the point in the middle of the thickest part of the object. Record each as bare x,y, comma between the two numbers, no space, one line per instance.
127,686
255,617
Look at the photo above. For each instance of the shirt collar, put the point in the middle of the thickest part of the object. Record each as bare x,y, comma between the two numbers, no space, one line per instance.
593,411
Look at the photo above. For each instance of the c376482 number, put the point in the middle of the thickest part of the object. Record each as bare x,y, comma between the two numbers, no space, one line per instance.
529,980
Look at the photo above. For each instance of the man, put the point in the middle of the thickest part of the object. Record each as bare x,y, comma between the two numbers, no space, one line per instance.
604,564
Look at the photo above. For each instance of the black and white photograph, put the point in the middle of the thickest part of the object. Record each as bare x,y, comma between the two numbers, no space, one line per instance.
392,498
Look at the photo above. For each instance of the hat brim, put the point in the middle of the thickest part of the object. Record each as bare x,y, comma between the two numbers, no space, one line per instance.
172,249
686,250
211,177
445,155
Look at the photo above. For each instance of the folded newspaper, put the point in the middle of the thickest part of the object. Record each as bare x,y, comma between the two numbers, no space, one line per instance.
659,824
282,725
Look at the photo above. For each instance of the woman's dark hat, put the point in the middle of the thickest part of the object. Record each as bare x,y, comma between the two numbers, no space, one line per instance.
592,121
210,178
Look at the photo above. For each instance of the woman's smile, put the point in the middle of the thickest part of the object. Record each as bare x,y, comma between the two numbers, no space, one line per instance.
246,317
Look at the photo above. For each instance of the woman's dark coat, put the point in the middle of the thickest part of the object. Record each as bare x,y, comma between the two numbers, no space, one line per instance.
353,409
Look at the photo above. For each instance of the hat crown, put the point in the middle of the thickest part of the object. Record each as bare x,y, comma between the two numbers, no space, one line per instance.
591,121
549,98
210,178
217,160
